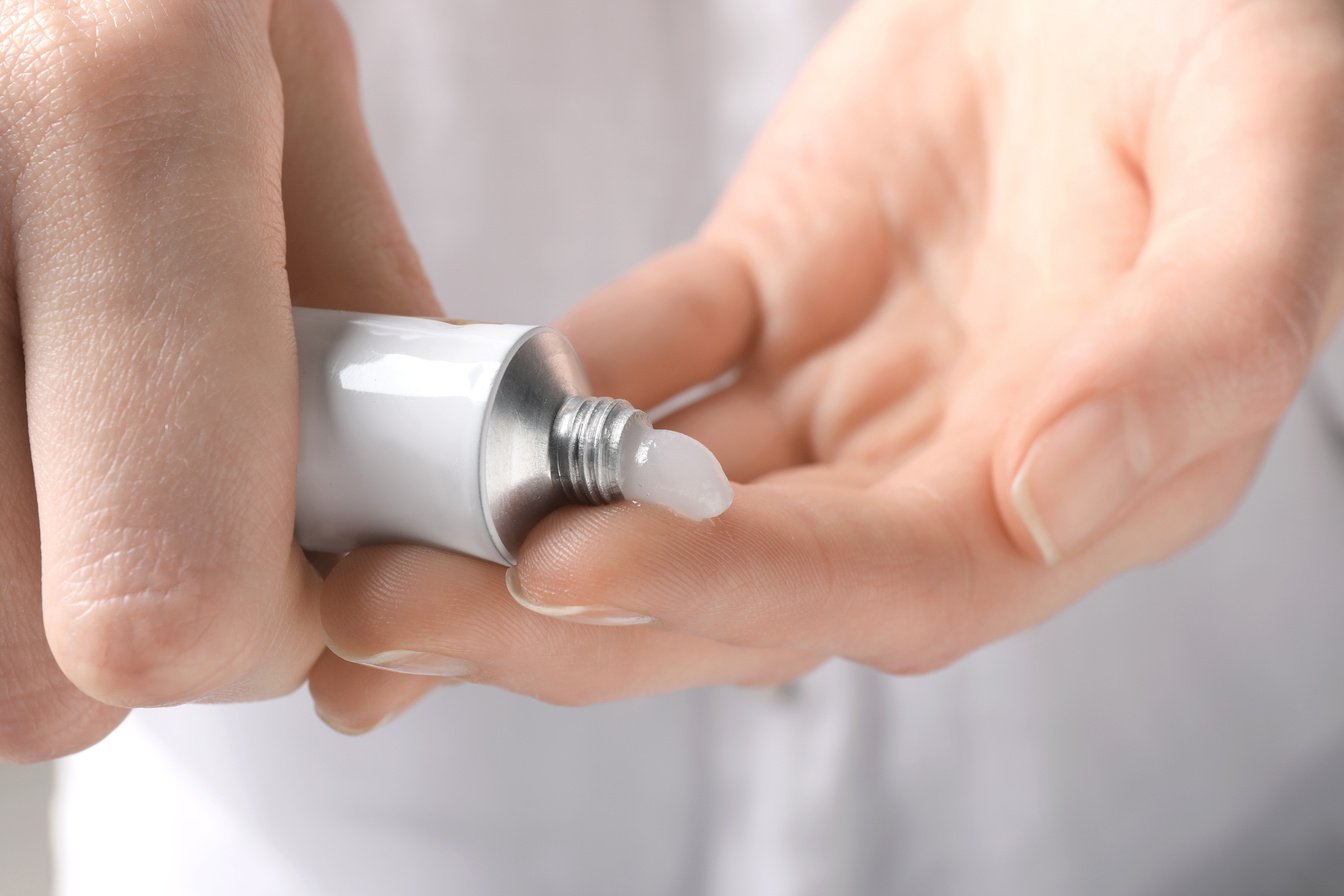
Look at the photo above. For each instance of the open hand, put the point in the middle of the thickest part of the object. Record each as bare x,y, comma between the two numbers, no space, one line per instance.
1016,294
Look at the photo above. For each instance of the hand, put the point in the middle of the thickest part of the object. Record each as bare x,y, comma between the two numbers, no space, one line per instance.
145,332
1016,296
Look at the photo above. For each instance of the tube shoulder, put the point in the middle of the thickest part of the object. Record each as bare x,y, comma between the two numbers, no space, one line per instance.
517,480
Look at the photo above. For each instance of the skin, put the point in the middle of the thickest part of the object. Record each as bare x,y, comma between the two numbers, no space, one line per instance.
966,220
163,203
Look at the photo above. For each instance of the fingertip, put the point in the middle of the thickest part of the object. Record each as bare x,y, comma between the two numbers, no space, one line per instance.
368,584
353,700
679,320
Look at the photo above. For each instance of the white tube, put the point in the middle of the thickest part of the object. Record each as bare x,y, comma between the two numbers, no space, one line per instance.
464,436
392,416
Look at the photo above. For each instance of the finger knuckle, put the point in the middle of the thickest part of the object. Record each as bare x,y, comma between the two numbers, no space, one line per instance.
1272,346
133,630
927,626
919,643
923,660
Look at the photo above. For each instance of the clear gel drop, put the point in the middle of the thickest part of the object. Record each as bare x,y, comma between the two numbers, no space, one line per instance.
672,470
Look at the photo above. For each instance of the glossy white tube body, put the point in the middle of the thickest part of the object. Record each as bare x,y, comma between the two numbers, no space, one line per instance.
393,415
464,436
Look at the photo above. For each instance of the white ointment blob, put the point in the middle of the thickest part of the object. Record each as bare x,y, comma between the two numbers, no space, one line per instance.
672,470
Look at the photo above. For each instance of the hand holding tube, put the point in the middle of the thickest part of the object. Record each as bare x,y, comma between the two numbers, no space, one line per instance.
164,202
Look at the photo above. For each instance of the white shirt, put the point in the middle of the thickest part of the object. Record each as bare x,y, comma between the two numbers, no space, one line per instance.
1180,731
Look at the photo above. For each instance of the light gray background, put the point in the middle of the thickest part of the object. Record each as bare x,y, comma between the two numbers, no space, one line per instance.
23,829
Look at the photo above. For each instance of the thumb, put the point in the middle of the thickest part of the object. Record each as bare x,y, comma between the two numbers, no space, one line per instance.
1205,342
1189,360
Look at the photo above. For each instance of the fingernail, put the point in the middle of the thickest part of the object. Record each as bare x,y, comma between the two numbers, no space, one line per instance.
592,615
414,662
1079,473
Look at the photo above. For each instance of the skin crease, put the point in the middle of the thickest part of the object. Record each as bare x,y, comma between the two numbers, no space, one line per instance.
966,220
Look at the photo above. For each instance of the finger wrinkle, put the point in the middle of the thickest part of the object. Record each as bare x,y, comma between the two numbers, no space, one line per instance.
932,611
642,559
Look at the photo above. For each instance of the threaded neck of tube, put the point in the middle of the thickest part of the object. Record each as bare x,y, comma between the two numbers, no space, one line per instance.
586,447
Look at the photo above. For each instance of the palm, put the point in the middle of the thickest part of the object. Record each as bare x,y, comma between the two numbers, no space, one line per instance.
928,230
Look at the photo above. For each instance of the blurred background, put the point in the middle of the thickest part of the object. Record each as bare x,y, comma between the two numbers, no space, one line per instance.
23,829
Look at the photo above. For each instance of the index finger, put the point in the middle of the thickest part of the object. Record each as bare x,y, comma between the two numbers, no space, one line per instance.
896,574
